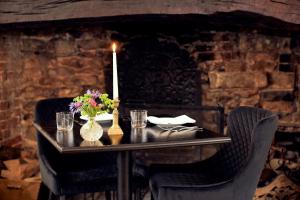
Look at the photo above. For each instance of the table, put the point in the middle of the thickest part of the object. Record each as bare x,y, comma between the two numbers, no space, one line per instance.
152,137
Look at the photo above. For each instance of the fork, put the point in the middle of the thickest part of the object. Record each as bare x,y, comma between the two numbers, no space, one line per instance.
183,128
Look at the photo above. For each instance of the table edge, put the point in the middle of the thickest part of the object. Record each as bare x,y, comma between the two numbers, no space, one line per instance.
133,146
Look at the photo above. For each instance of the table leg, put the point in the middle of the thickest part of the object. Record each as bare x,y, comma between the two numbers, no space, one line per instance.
124,175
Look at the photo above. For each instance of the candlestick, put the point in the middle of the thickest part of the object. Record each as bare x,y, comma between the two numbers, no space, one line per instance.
115,132
115,73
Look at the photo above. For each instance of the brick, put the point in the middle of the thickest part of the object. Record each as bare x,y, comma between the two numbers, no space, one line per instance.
237,80
10,75
5,134
252,101
3,125
2,76
88,53
12,141
227,55
279,106
261,62
34,45
3,56
3,65
234,65
282,80
71,61
227,46
293,118
4,105
65,47
93,43
87,79
3,115
273,95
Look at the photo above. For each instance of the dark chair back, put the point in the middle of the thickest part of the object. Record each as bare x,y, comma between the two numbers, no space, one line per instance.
234,171
46,109
233,156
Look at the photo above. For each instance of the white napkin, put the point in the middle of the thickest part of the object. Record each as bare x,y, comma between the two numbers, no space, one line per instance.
102,117
182,119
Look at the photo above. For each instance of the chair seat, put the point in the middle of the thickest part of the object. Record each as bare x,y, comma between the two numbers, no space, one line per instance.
194,175
87,167
188,180
82,177
183,185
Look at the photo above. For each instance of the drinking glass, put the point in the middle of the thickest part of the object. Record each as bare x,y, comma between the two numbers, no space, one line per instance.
138,118
64,121
138,135
65,138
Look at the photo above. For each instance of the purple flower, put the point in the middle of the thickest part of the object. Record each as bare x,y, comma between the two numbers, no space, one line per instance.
95,93
75,107
89,92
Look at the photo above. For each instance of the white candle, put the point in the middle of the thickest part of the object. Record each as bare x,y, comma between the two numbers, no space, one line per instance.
115,73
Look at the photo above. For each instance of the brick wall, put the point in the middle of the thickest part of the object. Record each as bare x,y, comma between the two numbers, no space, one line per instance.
249,69
252,69
237,68
46,64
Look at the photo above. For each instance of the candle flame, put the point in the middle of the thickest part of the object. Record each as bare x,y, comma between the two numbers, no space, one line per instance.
114,47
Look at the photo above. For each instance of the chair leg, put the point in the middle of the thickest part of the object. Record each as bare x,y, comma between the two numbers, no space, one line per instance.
62,197
152,198
114,195
138,194
44,192
107,195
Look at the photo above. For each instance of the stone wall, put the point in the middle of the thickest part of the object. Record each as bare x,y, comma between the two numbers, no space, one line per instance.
247,68
237,68
43,64
251,69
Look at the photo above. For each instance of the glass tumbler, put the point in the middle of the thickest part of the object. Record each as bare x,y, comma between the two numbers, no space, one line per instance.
138,118
64,121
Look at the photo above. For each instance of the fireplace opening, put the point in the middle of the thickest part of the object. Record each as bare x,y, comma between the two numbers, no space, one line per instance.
155,70
228,59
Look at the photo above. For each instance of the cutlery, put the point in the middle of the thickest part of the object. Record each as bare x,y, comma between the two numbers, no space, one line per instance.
181,128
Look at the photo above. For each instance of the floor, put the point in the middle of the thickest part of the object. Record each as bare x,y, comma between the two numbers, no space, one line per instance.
281,188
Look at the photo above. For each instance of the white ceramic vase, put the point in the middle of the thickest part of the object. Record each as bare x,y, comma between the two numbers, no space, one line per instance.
91,130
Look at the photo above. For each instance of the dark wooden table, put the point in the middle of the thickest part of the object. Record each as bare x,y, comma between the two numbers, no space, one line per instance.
152,137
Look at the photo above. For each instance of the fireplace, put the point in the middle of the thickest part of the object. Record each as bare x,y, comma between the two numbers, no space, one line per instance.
155,70
173,59
227,53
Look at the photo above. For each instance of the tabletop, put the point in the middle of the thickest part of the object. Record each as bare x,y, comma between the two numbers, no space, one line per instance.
135,141
151,137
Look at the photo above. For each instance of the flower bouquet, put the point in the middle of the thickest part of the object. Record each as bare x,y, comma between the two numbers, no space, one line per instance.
91,104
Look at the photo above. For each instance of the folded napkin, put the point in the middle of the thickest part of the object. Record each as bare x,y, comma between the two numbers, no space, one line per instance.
159,134
182,119
102,117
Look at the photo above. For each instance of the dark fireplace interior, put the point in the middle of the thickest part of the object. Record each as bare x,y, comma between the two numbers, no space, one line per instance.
153,69
226,59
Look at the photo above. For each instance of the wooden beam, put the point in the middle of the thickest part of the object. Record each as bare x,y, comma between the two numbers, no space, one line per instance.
16,11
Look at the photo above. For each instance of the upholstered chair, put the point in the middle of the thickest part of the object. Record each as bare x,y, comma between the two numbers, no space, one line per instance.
66,175
232,173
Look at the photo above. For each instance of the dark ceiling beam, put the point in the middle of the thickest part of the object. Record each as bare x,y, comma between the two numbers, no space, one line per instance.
18,11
